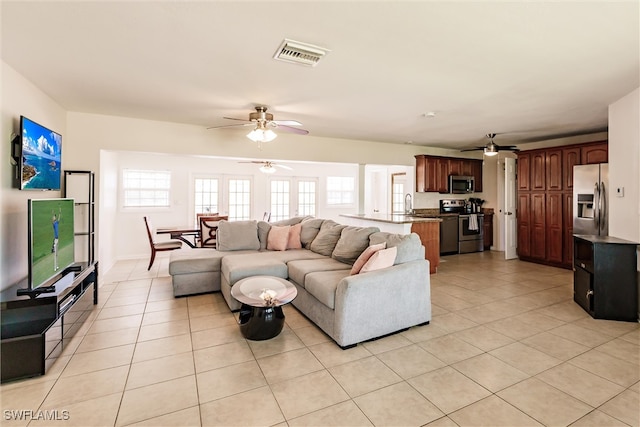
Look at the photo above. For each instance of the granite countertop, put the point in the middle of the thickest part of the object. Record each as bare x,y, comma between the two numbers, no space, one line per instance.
392,218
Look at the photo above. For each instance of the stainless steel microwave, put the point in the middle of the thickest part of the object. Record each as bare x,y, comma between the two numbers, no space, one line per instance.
461,184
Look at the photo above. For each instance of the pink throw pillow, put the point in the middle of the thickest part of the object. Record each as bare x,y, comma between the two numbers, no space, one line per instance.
294,237
278,237
365,255
381,259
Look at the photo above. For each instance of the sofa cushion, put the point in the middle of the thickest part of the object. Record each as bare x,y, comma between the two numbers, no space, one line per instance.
263,233
195,261
323,284
381,259
291,221
409,245
237,235
236,267
294,237
278,238
365,255
299,269
294,254
328,236
353,241
310,229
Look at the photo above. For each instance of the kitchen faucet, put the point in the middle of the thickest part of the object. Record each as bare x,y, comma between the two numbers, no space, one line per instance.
408,209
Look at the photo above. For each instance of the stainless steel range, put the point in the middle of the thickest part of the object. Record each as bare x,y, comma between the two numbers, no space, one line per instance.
470,224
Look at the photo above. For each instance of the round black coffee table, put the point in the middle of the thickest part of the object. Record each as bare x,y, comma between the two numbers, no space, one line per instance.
262,298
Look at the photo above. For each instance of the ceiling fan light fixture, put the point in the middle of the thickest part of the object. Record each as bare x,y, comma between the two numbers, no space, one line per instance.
490,150
260,134
268,169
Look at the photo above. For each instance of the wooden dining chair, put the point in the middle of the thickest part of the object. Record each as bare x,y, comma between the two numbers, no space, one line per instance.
209,229
168,245
266,216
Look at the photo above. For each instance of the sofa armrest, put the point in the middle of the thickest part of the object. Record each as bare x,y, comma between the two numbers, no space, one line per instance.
380,302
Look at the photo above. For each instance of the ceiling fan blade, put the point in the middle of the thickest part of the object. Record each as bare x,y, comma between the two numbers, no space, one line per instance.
473,149
294,130
233,118
230,126
287,122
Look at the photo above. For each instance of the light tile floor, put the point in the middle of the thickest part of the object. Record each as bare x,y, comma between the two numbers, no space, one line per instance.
507,346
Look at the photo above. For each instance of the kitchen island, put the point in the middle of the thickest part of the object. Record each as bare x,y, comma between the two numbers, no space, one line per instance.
428,229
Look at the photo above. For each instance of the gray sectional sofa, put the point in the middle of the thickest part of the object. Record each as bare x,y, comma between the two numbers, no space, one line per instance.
349,308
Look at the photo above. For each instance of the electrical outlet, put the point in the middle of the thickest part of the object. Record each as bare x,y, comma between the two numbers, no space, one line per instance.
620,192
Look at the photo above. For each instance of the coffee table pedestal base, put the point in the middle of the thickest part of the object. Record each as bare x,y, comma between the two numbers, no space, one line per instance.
260,323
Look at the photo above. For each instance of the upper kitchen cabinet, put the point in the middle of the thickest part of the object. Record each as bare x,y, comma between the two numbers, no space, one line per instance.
432,172
553,170
421,174
524,171
538,175
595,153
570,158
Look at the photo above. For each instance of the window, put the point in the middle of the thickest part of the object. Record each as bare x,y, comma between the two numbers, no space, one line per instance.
397,192
280,200
341,190
146,188
307,198
206,195
239,199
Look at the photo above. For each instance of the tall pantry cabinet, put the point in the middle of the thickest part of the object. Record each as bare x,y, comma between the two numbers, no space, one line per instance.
545,201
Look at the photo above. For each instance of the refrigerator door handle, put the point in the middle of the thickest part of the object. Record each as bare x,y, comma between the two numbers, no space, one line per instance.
596,205
602,209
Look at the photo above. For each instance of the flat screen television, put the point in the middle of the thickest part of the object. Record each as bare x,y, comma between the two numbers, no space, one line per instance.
41,156
51,239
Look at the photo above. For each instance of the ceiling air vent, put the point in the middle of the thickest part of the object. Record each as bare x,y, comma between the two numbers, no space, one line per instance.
300,53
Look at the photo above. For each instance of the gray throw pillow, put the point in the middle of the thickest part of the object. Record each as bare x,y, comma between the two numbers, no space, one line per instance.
409,245
328,236
263,233
353,241
237,235
309,231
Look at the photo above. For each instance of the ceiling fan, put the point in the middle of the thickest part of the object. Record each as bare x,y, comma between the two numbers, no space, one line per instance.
268,166
491,148
264,124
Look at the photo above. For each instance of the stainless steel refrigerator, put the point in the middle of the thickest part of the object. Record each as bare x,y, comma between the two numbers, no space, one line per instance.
591,199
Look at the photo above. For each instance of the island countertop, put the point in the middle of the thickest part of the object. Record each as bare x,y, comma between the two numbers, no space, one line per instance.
392,218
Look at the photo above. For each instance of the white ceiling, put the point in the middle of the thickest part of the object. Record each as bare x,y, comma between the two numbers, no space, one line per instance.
522,69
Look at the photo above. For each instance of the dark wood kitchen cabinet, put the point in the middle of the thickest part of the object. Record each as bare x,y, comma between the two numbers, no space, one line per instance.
538,160
524,225
567,236
553,225
432,172
605,280
545,201
553,170
488,230
594,153
570,158
524,172
538,226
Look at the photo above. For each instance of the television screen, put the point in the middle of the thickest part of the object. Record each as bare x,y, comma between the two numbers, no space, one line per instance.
51,239
41,157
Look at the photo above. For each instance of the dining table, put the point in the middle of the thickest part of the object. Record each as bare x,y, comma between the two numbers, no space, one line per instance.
187,234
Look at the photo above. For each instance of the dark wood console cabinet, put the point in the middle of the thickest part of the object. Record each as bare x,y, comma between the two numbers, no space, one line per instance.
605,280
35,330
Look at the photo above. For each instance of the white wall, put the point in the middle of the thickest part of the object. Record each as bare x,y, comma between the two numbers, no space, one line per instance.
624,161
21,97
128,235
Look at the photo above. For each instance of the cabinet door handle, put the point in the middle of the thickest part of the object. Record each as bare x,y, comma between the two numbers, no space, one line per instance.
589,294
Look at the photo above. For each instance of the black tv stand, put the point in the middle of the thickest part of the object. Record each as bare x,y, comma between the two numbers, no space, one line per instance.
36,326
33,293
